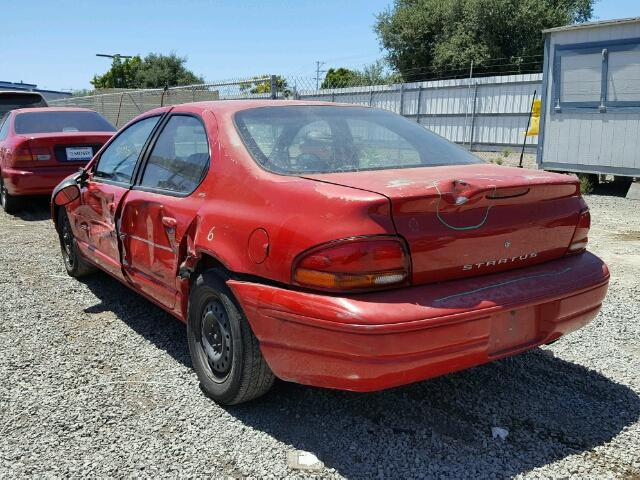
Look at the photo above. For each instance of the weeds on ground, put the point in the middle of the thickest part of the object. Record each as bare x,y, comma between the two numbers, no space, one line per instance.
586,185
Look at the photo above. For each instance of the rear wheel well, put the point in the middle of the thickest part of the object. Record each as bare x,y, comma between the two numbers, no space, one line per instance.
209,262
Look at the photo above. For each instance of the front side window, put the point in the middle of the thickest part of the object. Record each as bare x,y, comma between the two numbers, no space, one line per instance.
119,159
326,139
179,158
61,121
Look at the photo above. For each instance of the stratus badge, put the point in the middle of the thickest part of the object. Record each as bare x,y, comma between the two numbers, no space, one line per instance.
499,261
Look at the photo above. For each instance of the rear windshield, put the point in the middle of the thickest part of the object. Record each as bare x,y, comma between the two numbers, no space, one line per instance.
49,122
10,101
325,139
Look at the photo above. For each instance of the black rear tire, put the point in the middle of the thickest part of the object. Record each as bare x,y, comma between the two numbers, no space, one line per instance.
9,203
225,353
74,263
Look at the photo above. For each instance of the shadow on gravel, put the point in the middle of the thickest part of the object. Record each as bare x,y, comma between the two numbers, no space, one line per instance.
143,317
613,189
33,209
442,427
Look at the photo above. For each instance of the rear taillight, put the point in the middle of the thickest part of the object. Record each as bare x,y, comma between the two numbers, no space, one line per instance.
22,154
41,154
35,154
361,263
581,236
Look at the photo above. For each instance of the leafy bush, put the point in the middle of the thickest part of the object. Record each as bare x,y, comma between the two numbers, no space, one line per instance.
586,184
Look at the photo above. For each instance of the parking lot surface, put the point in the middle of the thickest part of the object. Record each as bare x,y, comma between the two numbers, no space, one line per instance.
96,381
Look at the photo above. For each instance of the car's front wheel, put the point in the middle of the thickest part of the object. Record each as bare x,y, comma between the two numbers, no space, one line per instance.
9,202
74,263
225,353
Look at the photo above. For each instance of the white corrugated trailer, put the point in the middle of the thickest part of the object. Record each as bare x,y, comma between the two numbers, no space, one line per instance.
591,99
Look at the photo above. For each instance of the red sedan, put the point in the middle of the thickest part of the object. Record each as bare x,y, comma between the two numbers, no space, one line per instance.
330,245
39,147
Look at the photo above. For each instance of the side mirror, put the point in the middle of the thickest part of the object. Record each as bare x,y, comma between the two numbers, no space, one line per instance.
66,195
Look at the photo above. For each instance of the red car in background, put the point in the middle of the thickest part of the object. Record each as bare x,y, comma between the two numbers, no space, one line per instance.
330,245
39,147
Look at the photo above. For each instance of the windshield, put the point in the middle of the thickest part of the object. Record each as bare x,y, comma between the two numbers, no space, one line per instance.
49,122
325,139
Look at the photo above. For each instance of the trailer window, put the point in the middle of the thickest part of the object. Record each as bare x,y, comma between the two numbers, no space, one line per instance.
597,77
623,76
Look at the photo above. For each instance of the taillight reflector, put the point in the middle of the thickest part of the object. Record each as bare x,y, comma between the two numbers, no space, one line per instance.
41,154
362,263
581,235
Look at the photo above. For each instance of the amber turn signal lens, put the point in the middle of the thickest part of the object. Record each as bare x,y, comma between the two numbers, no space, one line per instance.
342,281
363,263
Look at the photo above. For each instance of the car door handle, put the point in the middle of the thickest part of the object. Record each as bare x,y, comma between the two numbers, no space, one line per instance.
170,224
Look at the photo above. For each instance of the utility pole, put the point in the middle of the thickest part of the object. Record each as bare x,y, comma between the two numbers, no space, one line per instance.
319,65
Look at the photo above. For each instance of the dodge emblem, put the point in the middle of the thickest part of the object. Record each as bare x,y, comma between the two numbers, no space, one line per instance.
507,244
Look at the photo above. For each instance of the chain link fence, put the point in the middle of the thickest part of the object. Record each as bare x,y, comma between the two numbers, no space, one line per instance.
120,106
483,113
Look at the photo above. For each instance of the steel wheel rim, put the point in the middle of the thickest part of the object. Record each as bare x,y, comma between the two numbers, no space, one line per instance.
216,339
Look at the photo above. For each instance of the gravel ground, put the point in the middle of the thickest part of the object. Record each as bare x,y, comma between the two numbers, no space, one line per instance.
95,381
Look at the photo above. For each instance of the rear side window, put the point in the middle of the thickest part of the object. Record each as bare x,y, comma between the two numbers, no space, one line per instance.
119,159
11,101
326,139
180,157
49,122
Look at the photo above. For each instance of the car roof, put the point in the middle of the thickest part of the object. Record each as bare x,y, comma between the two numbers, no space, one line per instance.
52,109
232,106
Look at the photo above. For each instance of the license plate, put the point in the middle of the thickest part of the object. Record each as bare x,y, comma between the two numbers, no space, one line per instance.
77,154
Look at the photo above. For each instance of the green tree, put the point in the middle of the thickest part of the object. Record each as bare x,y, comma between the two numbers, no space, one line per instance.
374,74
121,74
340,77
431,38
262,84
377,74
154,71
158,71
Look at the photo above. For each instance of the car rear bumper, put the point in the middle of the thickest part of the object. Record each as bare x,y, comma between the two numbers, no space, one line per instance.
379,340
35,181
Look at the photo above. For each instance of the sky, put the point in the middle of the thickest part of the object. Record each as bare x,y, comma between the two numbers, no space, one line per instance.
53,43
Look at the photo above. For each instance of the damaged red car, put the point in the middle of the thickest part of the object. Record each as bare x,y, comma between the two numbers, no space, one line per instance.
39,147
330,245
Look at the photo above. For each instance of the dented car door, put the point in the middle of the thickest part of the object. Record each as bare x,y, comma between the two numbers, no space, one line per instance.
95,219
162,206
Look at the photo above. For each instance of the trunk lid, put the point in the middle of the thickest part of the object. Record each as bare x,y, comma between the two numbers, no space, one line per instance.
468,220
65,148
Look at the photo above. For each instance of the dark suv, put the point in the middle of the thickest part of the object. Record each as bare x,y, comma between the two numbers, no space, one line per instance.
10,100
